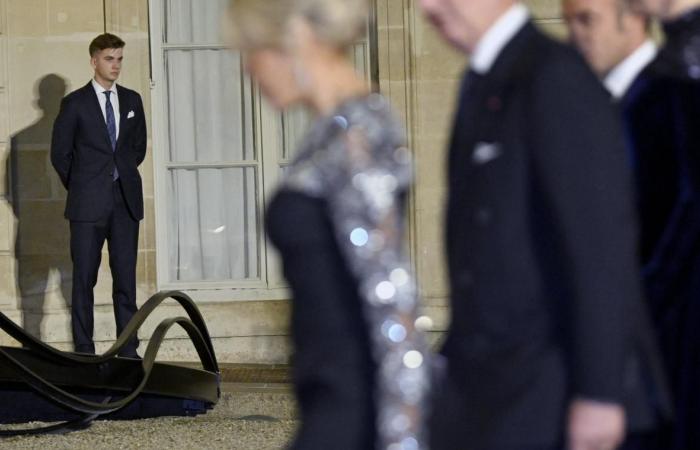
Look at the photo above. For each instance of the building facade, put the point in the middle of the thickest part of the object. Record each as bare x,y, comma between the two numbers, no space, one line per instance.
216,151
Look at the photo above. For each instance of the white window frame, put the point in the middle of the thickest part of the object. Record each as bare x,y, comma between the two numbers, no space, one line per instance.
270,285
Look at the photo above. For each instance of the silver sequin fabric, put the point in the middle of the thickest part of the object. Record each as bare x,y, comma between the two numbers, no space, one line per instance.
356,160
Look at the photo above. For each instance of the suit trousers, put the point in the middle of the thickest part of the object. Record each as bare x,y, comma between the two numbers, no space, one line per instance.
121,231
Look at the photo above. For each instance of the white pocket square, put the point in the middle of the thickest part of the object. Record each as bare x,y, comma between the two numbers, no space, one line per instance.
130,115
485,152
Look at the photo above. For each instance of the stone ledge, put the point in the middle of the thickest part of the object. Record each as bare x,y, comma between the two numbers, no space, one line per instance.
259,375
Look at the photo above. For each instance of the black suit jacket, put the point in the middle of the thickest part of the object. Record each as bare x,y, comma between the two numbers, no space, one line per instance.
541,243
82,154
660,113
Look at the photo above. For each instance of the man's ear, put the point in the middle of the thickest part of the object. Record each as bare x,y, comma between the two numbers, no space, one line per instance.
93,62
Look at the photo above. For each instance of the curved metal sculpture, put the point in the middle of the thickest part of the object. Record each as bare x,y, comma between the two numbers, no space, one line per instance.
61,377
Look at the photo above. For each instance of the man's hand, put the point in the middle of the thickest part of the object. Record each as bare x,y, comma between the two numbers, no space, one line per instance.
595,425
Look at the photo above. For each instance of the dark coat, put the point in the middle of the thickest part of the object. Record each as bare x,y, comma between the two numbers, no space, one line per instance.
541,243
82,154
662,118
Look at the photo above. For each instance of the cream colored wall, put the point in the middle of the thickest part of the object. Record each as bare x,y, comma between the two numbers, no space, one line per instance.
44,37
43,44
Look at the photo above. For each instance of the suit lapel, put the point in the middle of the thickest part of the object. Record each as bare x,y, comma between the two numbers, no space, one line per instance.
97,113
467,116
123,111
480,116
509,72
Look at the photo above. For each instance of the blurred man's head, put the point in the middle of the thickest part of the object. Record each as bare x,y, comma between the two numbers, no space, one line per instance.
605,31
664,9
463,22
291,47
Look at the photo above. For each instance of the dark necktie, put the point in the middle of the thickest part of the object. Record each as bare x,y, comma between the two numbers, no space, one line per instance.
111,127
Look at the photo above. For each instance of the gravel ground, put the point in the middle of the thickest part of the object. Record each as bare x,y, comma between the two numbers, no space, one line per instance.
167,433
259,419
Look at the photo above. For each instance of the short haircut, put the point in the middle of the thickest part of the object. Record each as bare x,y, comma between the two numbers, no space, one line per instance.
105,41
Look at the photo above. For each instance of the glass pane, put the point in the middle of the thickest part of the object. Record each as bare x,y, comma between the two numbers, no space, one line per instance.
294,125
213,224
358,56
295,122
193,21
209,107
283,170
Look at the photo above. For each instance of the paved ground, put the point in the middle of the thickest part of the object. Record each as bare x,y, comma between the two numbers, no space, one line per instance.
248,417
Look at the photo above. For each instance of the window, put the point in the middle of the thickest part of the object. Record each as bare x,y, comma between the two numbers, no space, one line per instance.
219,151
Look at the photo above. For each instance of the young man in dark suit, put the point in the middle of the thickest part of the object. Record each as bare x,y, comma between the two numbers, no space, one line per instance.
549,345
99,140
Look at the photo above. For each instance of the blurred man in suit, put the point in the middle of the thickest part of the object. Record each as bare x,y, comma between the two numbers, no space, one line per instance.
662,123
613,39
99,140
549,344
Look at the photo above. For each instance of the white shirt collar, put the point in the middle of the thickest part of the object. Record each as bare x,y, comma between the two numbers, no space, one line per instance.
99,89
619,80
497,37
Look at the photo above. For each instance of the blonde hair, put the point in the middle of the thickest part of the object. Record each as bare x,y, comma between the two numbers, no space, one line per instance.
264,23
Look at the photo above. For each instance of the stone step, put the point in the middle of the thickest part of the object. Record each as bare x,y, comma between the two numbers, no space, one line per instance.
253,374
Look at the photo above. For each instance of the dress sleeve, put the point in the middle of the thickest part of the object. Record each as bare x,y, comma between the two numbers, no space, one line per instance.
365,175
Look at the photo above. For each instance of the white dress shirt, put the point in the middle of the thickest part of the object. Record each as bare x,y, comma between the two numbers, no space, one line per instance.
497,37
113,98
620,79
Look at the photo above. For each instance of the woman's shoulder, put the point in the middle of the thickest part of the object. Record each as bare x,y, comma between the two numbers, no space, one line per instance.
372,118
362,136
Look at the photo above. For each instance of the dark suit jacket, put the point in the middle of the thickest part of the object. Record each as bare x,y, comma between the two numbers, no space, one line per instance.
82,154
541,243
648,113
661,112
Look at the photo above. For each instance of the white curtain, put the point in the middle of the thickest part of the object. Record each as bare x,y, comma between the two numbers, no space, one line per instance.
212,212
294,125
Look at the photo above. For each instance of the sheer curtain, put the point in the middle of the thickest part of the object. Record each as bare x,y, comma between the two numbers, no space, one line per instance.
212,171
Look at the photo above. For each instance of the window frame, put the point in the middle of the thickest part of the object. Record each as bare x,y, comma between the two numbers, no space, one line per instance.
267,139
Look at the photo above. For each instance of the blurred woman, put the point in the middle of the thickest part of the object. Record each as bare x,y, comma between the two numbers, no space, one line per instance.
360,368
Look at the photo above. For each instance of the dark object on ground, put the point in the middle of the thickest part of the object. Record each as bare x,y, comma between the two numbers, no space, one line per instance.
40,383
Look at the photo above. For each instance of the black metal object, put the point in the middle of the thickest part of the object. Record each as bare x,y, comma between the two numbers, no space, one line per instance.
78,388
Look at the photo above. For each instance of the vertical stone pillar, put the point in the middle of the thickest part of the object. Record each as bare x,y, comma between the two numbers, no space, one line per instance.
7,282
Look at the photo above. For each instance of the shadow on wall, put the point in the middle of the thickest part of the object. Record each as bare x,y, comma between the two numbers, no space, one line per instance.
42,250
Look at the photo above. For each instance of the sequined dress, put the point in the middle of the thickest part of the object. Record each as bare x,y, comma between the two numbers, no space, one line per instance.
360,367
